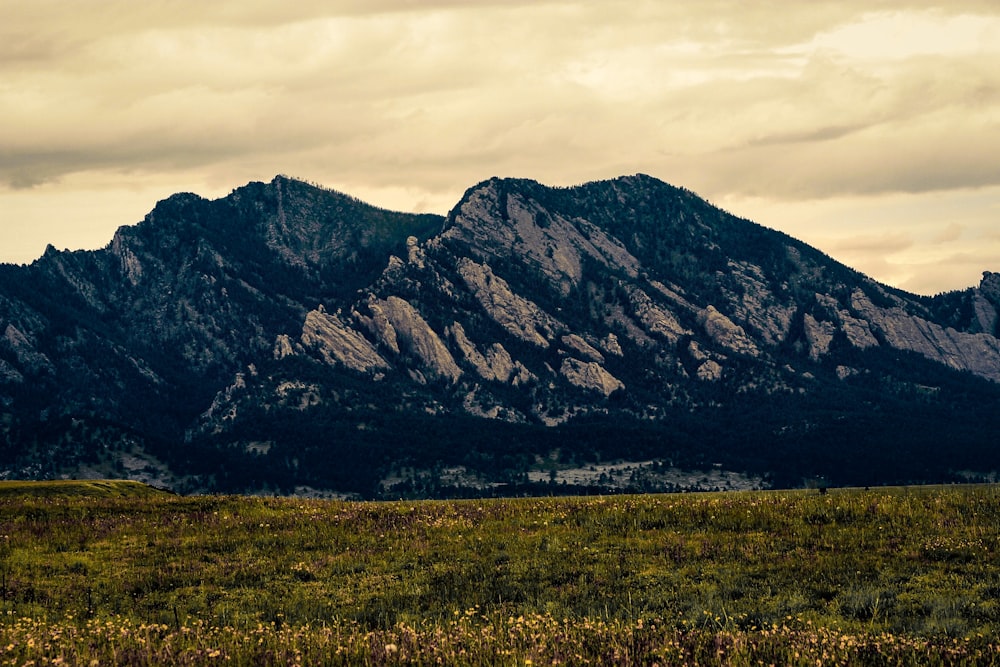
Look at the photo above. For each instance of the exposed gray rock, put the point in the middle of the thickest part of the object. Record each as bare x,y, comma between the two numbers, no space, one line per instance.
504,368
590,375
517,315
520,375
844,372
201,290
394,268
656,319
27,355
858,333
224,407
757,306
986,314
819,335
724,332
611,345
496,365
414,253
131,267
694,349
337,343
480,404
710,371
581,347
986,302
618,317
979,352
378,324
299,395
283,346
413,332
550,242
674,293
469,351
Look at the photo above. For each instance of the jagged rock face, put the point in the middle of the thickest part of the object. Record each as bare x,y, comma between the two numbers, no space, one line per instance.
857,331
186,298
627,298
726,333
590,375
496,365
497,223
611,345
654,318
417,337
819,335
754,303
710,371
337,343
518,315
975,352
283,346
24,351
986,301
580,347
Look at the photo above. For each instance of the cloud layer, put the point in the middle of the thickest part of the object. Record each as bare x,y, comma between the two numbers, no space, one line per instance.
770,108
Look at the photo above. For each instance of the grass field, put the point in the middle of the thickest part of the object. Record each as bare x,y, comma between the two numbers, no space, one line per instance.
118,573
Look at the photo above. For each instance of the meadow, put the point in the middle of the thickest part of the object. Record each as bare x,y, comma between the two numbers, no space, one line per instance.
95,573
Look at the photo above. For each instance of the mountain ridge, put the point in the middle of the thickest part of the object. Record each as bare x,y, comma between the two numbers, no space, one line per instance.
193,335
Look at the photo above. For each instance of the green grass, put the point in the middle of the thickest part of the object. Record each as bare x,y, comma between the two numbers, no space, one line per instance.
72,488
121,575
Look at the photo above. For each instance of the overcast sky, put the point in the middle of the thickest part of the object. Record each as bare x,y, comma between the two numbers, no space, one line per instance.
868,129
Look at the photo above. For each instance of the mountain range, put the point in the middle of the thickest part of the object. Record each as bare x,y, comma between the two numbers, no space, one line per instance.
618,335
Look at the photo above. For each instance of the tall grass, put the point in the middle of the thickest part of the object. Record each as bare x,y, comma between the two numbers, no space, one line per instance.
719,578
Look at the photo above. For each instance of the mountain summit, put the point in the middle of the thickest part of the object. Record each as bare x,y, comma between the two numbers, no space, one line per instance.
287,337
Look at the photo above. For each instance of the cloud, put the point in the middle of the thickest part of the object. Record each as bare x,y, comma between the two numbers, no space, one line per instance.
719,91
952,232
880,244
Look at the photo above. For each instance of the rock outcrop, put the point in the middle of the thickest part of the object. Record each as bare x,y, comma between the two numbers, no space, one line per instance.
495,364
986,301
25,352
590,375
579,346
978,353
526,304
819,335
724,332
283,346
496,224
337,343
753,302
655,318
414,335
519,316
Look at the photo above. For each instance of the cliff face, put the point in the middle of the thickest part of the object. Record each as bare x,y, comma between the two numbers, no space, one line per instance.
142,334
212,321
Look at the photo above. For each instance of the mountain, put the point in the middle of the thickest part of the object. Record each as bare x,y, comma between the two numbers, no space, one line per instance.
287,338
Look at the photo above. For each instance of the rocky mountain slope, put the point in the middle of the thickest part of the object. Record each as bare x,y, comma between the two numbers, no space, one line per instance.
288,336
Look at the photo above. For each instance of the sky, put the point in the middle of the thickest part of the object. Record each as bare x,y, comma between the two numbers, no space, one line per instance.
869,129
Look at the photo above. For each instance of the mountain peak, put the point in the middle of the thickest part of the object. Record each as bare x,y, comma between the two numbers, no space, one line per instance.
298,324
